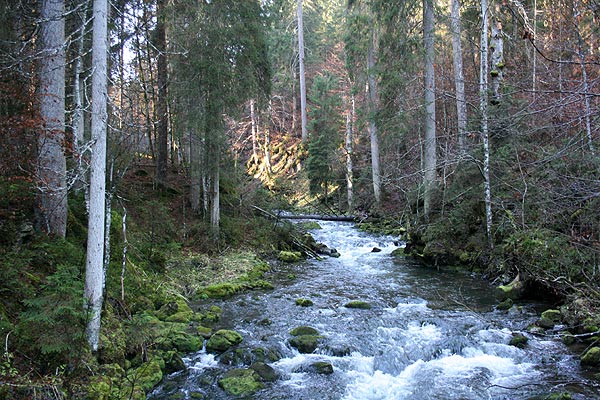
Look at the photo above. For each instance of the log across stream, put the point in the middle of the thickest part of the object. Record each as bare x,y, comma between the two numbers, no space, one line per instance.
419,334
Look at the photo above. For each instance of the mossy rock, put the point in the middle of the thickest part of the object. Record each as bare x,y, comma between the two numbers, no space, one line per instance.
591,357
182,316
175,311
147,375
567,338
265,355
519,341
322,367
359,304
552,315
505,304
173,362
305,344
187,343
223,340
304,330
398,252
204,331
289,256
304,302
514,290
241,382
221,290
266,372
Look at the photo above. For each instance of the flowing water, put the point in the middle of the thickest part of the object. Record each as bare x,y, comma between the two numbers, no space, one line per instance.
428,335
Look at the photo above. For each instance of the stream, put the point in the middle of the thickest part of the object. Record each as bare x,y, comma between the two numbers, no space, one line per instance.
428,334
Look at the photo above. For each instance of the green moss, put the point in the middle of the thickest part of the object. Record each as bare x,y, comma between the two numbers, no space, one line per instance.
304,330
241,382
322,367
305,343
363,305
289,256
222,340
591,357
519,341
266,372
146,376
304,302
552,315
204,331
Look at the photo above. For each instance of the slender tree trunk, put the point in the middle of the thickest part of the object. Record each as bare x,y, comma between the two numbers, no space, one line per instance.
254,132
459,78
349,151
497,57
215,213
94,277
483,109
52,166
304,118
430,154
195,173
372,80
161,107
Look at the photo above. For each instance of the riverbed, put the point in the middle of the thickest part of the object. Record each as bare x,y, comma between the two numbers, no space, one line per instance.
428,334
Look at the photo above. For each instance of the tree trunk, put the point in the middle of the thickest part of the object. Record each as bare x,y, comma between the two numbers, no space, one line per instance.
94,278
430,155
375,167
483,109
195,172
52,166
497,57
161,107
349,151
304,118
215,211
459,78
254,131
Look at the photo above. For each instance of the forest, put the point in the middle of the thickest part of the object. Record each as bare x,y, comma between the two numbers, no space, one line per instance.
148,149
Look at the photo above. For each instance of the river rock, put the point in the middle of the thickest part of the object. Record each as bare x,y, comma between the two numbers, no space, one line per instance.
305,344
266,372
519,341
223,340
304,302
363,305
505,304
241,382
514,290
376,250
322,367
591,357
304,330
549,319
173,362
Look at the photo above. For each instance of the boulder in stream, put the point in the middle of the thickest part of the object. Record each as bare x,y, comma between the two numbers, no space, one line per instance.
241,382
223,340
591,357
362,305
514,290
304,330
305,344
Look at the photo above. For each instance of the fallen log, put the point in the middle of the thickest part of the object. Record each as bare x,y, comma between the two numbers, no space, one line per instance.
284,215
347,218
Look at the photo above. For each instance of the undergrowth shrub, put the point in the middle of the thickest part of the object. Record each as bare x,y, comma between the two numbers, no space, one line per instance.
52,326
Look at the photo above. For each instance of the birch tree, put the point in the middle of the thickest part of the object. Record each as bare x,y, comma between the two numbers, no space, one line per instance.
483,109
497,60
94,272
459,78
52,166
430,156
